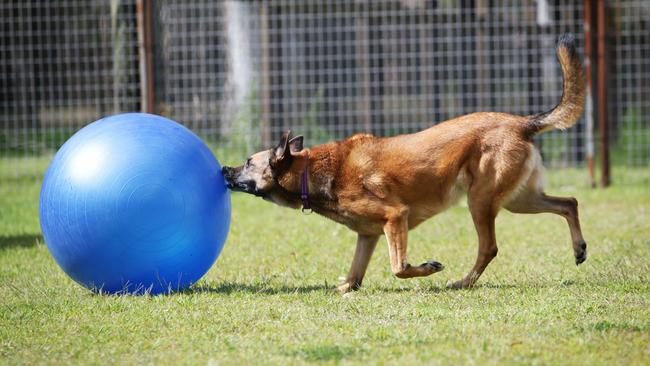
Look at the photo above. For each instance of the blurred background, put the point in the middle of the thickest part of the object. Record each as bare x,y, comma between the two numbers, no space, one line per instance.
238,73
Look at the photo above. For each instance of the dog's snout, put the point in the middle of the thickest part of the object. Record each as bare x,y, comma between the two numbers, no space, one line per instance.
227,173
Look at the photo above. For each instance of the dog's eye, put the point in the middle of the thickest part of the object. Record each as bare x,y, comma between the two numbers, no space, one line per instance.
248,162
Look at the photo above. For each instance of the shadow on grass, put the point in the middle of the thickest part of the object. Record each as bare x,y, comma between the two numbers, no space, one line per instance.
254,288
528,285
20,241
271,289
230,288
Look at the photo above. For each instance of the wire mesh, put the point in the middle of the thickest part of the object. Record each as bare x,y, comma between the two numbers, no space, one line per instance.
239,73
63,64
629,83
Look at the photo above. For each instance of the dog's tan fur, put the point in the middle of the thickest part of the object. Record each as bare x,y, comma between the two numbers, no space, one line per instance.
390,185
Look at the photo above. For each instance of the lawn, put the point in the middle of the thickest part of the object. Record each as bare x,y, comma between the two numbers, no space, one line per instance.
267,298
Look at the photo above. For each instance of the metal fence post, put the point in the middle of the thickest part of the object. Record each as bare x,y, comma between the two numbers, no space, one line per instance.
144,10
602,94
589,110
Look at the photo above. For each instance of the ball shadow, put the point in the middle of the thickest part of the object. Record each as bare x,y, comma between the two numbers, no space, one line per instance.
20,241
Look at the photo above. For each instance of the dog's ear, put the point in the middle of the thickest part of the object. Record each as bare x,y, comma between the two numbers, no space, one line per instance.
295,144
281,150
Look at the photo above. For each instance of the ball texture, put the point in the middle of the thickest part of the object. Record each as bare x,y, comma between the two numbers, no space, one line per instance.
134,203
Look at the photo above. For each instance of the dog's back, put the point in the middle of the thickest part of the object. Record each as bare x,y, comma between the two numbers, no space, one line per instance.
427,170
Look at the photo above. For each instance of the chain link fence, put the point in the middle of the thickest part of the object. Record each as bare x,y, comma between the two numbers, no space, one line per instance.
629,82
63,64
240,72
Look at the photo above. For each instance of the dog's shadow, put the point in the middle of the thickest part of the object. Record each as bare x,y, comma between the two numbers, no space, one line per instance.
228,288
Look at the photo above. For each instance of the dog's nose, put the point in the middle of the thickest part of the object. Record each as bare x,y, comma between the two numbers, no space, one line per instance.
226,171
228,174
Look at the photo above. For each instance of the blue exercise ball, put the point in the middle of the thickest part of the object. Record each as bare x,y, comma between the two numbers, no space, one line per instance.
134,203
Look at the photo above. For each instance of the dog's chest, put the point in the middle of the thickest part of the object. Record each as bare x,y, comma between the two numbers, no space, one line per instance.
356,221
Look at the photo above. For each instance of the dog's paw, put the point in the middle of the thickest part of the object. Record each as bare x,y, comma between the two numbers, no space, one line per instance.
345,288
581,254
458,285
434,266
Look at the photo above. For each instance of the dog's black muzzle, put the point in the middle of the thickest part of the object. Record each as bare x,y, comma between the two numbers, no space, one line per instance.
231,175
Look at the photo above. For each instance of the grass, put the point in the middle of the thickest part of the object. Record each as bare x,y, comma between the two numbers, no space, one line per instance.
266,300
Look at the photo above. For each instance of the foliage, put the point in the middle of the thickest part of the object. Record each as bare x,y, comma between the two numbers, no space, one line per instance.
313,132
632,139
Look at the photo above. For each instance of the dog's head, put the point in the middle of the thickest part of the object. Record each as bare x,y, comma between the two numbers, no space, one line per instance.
261,172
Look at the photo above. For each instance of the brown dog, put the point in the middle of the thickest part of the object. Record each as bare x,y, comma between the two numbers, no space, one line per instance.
390,185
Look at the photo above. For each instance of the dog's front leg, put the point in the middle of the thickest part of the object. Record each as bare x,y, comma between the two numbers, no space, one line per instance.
365,247
396,230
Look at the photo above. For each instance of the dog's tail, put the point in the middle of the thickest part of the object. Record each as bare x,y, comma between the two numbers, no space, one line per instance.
565,114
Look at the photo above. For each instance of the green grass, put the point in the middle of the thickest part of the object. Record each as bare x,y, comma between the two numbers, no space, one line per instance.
266,300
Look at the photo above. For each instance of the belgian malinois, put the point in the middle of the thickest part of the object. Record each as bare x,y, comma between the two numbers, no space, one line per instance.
389,185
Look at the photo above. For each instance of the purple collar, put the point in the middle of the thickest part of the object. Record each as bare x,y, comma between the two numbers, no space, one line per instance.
304,188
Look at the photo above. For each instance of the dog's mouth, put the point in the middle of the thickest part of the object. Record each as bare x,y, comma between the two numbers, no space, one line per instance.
233,182
246,187
240,186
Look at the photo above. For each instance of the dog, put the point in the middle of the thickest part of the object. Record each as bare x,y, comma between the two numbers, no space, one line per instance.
389,185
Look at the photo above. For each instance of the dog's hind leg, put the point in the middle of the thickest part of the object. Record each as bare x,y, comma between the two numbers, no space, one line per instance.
396,230
532,201
365,247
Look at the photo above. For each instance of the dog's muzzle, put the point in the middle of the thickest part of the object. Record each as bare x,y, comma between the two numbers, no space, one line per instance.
228,175
231,175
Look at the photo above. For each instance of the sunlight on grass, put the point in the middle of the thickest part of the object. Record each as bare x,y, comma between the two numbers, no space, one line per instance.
267,299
